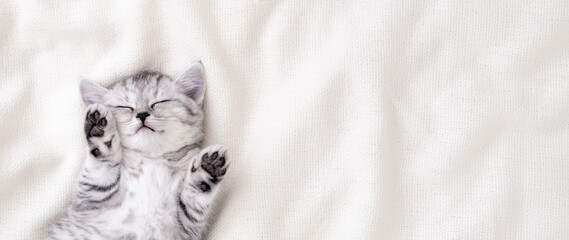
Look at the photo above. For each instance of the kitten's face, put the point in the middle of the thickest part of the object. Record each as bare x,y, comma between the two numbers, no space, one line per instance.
155,114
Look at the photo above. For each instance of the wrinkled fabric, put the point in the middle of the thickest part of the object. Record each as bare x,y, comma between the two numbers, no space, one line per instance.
344,119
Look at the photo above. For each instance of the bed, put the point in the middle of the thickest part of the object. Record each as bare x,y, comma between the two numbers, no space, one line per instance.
344,119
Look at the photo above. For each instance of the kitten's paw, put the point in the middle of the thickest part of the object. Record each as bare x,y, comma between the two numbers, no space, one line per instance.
213,160
100,131
96,120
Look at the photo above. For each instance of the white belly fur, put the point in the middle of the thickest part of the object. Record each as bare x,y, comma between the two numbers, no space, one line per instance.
149,203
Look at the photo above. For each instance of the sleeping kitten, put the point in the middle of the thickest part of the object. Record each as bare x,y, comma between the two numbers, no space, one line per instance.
145,176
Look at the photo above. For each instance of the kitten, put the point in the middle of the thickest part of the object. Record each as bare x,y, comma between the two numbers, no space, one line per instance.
145,176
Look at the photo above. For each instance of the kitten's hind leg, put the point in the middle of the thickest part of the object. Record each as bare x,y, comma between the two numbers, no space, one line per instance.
100,179
200,188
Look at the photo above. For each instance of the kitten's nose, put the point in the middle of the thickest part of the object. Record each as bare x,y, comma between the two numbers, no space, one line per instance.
142,116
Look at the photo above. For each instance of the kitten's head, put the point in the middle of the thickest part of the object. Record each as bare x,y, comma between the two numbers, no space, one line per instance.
154,113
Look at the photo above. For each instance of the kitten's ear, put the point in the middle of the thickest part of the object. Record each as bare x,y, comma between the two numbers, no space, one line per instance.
92,92
192,84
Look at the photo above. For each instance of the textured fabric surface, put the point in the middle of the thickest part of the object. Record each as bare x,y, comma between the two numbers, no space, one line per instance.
344,119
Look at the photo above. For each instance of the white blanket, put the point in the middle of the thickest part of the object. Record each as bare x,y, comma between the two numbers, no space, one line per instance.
344,119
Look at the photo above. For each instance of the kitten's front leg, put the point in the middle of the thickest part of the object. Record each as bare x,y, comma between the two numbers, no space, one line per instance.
200,188
100,179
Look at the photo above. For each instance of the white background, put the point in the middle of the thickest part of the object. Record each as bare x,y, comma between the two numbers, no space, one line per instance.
344,119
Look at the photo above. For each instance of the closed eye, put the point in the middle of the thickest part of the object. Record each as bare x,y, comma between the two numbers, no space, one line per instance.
154,104
126,107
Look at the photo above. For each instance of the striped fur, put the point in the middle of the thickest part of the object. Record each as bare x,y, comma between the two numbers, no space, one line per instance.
145,174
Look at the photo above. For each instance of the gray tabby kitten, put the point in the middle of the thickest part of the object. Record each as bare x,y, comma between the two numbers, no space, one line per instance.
145,176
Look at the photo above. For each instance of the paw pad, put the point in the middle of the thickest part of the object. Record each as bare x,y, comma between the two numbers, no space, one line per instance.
96,152
214,164
204,187
94,124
